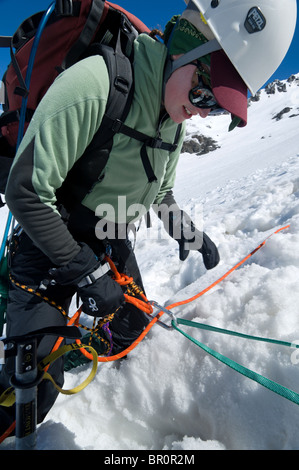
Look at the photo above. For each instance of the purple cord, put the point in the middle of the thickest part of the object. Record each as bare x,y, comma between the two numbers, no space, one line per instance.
107,330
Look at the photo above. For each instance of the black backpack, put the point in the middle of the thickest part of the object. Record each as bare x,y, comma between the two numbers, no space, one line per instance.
75,30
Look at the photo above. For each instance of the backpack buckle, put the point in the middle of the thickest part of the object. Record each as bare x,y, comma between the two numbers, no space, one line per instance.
154,143
127,27
117,125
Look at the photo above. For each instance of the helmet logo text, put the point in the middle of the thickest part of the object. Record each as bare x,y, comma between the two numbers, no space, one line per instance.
255,21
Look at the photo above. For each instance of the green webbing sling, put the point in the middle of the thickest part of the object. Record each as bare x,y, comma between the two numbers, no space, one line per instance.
265,382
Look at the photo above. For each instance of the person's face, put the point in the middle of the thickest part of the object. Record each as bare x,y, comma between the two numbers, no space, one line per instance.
176,99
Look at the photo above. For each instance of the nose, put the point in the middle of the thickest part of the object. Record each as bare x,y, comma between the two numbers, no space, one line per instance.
204,112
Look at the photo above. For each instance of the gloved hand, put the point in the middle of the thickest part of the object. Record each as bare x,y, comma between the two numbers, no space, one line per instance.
182,229
100,294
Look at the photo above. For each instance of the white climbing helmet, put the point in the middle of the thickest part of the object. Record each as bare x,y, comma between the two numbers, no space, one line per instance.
254,34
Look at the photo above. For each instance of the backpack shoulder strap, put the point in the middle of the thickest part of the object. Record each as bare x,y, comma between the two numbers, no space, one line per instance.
87,34
86,171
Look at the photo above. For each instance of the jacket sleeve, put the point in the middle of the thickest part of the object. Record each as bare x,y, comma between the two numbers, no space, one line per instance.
62,127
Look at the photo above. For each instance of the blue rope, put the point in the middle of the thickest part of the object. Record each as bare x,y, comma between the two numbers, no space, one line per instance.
36,41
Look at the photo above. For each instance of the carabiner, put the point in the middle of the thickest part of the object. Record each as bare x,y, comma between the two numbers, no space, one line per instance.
155,304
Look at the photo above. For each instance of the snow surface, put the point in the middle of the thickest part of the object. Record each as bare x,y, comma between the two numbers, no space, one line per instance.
169,394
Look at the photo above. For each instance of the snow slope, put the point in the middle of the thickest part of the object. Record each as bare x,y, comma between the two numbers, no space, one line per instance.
169,394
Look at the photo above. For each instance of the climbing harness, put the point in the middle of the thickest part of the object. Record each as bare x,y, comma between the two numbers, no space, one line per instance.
21,344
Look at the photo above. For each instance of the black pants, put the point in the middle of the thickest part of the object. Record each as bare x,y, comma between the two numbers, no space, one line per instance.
27,312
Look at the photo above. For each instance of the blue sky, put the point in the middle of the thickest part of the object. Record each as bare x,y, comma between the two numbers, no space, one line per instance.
152,12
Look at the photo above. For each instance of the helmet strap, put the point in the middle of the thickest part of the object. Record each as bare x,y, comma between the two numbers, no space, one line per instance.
187,58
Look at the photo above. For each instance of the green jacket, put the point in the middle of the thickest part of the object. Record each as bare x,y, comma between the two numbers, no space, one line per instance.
63,126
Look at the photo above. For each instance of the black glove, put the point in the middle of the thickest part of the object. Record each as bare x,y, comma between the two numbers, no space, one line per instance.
102,297
100,294
182,229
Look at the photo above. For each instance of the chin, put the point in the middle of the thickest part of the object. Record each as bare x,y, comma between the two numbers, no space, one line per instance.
177,119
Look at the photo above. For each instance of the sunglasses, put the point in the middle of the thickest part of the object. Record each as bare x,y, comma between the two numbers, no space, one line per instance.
202,95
